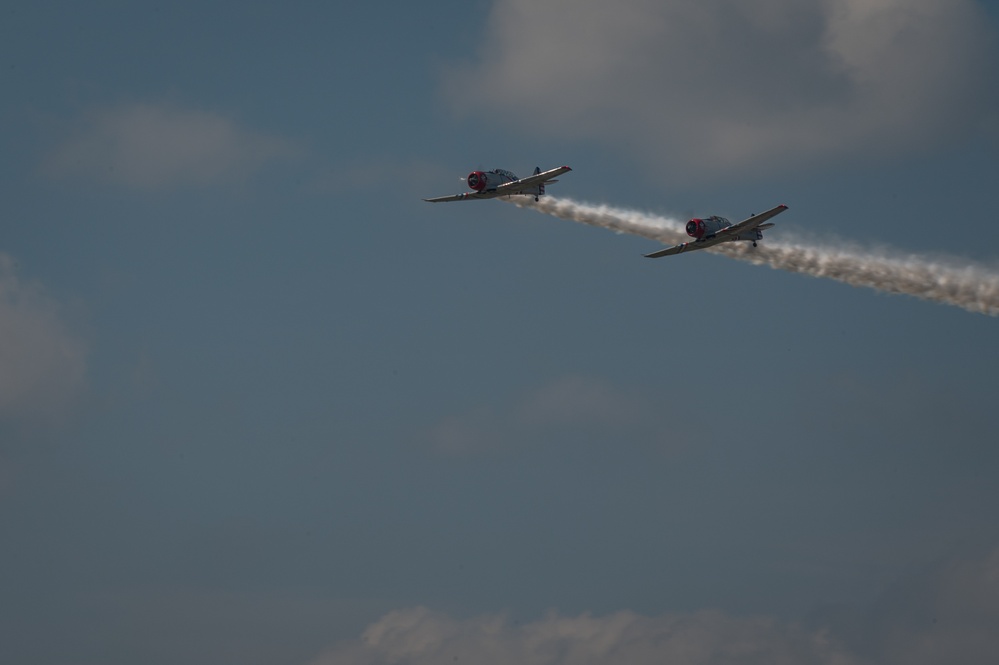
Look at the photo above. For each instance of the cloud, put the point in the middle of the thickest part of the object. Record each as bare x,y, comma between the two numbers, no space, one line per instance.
419,636
570,407
697,89
574,400
947,614
158,146
377,173
476,431
42,364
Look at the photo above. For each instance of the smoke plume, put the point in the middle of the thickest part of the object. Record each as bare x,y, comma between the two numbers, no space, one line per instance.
972,287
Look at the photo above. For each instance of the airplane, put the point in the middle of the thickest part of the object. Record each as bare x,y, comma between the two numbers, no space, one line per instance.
498,182
714,230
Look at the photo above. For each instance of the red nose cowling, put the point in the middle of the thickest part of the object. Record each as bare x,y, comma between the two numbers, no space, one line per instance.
695,228
476,180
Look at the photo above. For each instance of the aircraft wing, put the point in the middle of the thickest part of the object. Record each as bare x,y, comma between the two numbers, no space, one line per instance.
530,181
684,247
462,197
751,223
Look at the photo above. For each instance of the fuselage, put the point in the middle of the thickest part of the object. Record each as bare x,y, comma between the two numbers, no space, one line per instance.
706,227
703,229
484,181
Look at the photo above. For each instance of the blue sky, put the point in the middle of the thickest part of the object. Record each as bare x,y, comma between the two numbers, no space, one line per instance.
260,403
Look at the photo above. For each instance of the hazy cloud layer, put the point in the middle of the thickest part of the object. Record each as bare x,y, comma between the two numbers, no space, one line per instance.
576,407
42,363
700,88
375,173
156,146
421,637
944,615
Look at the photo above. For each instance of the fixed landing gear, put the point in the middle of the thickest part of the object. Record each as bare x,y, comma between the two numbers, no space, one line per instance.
536,199
754,243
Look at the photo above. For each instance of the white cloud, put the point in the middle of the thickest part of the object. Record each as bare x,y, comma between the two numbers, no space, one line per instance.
155,146
945,615
699,88
42,364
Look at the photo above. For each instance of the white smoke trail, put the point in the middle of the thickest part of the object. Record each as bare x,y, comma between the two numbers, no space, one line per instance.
973,287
